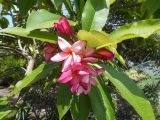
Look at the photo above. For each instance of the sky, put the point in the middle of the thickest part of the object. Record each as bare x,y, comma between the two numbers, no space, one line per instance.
8,17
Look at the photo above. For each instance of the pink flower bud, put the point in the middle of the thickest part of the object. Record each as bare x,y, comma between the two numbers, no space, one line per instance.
63,26
105,54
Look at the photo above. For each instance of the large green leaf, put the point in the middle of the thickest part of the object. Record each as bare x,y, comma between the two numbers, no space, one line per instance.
39,73
80,107
43,36
95,38
64,100
143,28
25,5
130,92
41,19
101,103
95,14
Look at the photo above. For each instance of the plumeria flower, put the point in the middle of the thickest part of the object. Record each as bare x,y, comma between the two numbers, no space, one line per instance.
49,51
75,70
63,26
70,53
80,77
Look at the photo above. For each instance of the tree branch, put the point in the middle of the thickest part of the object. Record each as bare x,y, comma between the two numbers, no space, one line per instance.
15,50
30,65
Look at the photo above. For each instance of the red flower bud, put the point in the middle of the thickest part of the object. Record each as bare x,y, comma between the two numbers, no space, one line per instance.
63,27
105,54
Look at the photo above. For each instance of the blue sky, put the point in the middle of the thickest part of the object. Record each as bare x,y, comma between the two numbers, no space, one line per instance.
9,19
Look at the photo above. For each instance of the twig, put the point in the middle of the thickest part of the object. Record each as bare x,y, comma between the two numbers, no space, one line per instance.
13,49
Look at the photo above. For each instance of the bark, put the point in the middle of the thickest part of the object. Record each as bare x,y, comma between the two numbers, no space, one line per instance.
31,61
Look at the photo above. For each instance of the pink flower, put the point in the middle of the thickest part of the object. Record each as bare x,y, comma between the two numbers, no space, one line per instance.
49,51
76,70
63,27
88,55
80,77
105,54
70,54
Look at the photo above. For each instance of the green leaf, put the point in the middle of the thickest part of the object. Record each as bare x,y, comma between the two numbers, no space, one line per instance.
39,73
4,100
111,1
79,8
117,55
43,36
68,6
130,92
64,100
3,22
143,28
101,103
41,19
95,38
95,14
25,5
4,112
149,7
80,107
57,3
141,1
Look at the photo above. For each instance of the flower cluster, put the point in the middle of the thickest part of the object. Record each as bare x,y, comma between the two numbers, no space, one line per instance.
76,58
76,69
